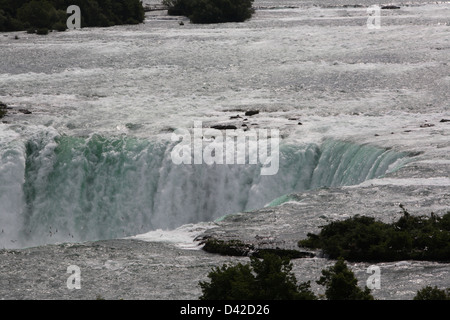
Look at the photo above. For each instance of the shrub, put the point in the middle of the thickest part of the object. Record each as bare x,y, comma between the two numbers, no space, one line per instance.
267,279
42,31
229,248
18,15
271,278
340,283
211,11
179,7
364,239
59,26
430,293
39,14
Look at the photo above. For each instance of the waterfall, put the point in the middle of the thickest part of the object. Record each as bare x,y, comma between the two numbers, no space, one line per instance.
57,188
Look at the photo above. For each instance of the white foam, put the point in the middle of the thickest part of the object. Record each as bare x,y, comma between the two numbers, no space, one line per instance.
182,237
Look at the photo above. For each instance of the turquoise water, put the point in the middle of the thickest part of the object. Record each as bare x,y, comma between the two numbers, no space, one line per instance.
97,187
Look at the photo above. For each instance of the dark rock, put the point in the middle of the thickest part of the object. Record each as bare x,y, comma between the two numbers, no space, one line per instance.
134,126
352,5
3,108
426,125
300,123
445,120
251,112
283,253
239,248
224,127
227,248
25,111
390,7
235,117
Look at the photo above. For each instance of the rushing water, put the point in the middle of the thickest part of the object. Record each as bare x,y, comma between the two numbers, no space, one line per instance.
78,189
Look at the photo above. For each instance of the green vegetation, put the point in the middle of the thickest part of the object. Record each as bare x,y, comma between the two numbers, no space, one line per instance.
2,109
341,284
32,15
211,11
267,279
227,248
271,278
430,293
239,248
364,239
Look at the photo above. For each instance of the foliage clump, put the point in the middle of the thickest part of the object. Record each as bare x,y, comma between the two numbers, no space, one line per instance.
227,248
363,238
268,279
271,278
31,15
340,283
211,11
432,293
236,247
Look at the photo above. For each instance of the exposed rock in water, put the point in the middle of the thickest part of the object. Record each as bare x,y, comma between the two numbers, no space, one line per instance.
3,108
390,7
25,111
224,127
251,112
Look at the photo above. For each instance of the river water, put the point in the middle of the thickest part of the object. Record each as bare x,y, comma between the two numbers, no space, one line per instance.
88,177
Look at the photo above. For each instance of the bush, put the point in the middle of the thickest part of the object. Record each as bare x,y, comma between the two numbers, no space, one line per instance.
238,248
271,278
267,279
39,14
364,239
211,11
179,7
228,248
430,293
59,26
16,15
42,31
341,284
